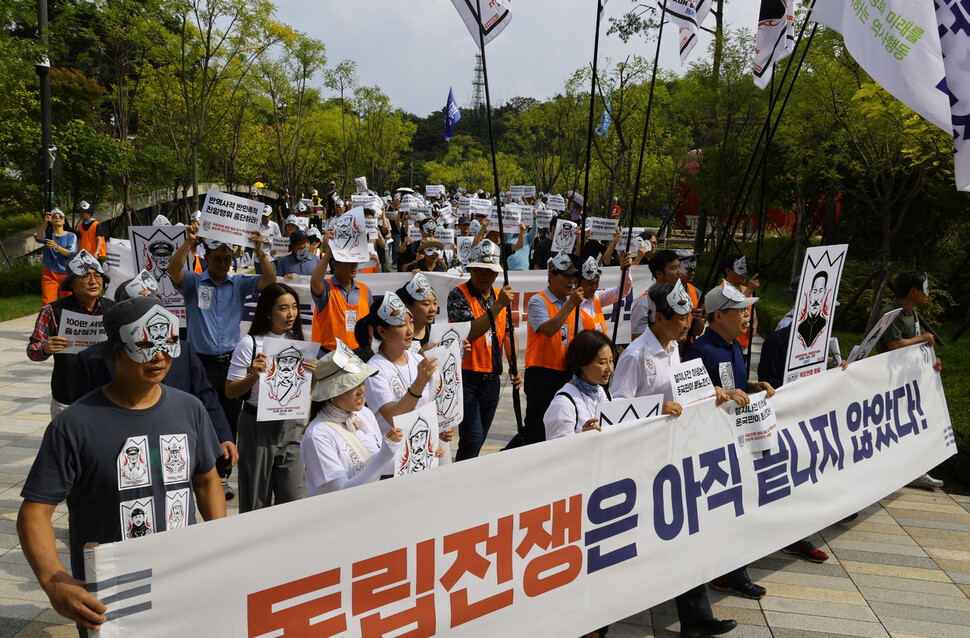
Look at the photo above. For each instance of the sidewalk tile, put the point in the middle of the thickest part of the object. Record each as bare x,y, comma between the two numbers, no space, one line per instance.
881,558
815,594
44,630
927,524
895,570
903,585
818,608
838,626
924,628
899,549
762,576
929,601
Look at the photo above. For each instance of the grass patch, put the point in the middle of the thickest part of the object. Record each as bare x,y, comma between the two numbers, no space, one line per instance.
19,306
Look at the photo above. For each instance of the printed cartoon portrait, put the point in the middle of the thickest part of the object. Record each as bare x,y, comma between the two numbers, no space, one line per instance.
419,449
137,518
133,463
447,394
814,313
176,509
175,457
286,376
347,232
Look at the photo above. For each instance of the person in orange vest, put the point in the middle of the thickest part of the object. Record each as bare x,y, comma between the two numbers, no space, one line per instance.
90,235
591,308
552,323
339,301
688,270
735,269
485,306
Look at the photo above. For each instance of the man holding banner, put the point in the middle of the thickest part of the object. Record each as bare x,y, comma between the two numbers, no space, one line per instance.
644,369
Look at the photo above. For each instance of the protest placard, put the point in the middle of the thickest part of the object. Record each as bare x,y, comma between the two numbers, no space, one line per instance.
463,204
621,410
544,216
434,190
818,290
414,232
556,202
408,202
349,243
80,330
360,184
152,248
862,351
278,246
371,224
564,237
229,219
446,384
284,388
479,206
756,428
691,383
464,247
419,441
445,235
510,219
601,229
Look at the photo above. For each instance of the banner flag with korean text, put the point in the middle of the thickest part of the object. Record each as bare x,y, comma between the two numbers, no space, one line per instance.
776,38
564,537
897,44
496,14
452,115
953,20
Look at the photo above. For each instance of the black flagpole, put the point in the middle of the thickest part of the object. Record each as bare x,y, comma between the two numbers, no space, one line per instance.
589,148
636,185
509,328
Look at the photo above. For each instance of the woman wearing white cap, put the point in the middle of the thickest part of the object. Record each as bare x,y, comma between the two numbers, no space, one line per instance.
402,382
421,302
343,446
60,246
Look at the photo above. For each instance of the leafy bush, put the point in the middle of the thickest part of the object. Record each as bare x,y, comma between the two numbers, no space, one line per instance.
20,281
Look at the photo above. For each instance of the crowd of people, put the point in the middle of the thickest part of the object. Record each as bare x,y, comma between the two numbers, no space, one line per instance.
149,424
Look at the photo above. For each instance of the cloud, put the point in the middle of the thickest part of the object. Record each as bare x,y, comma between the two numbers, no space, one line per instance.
414,50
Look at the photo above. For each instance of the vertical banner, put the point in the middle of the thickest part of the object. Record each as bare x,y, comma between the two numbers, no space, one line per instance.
953,20
494,18
818,290
419,440
152,248
775,40
284,389
229,219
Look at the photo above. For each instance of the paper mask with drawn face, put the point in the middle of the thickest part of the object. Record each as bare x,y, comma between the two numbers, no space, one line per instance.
590,270
561,261
679,300
84,262
392,310
346,231
926,286
419,287
345,358
154,332
740,266
142,283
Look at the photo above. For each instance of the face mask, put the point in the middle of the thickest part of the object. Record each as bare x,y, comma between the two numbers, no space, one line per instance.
740,266
303,253
149,335
926,286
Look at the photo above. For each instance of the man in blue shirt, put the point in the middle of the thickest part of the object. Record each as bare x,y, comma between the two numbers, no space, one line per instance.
213,311
728,314
299,261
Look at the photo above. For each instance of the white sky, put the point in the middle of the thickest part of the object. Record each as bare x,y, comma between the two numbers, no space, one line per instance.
414,50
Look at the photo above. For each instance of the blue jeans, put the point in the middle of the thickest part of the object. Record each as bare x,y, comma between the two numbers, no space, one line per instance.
480,395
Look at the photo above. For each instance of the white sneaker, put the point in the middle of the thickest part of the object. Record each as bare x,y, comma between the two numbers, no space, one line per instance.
227,490
927,482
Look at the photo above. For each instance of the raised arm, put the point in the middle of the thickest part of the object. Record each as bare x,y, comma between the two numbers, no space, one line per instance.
175,265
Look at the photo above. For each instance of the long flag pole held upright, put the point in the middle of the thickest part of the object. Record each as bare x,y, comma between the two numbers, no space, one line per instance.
513,359
589,147
636,186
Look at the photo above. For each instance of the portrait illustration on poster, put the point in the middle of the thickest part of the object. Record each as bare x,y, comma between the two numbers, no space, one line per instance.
138,518
815,304
564,237
350,237
284,388
419,442
152,248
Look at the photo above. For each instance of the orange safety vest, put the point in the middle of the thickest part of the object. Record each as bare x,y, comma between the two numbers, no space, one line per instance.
548,352
88,240
743,339
331,323
597,321
480,357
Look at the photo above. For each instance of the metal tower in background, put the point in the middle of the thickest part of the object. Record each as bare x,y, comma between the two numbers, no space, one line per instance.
478,84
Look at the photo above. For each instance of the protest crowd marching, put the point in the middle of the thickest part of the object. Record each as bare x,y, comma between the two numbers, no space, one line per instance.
158,395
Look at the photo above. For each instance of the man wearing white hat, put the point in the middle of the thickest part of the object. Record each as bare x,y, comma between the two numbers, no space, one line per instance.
90,235
339,301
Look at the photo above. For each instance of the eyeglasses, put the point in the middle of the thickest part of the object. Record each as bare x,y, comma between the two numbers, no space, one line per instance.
91,276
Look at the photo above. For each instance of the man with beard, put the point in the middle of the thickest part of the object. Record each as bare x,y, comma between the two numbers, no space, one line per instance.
86,280
813,323
285,381
85,448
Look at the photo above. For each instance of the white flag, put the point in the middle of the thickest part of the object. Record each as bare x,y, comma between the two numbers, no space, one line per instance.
776,38
902,54
683,13
688,38
495,16
953,18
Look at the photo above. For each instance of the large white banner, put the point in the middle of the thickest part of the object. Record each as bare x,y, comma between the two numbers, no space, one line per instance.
775,40
953,17
564,536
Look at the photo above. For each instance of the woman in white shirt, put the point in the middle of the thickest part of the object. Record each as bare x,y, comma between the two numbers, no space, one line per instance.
421,302
343,446
269,451
573,409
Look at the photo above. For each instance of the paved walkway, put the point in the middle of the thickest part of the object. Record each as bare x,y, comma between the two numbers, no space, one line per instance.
901,569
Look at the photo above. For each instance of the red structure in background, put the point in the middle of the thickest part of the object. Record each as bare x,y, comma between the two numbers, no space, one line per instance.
777,220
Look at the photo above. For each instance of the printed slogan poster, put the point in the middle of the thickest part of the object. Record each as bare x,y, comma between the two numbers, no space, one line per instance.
81,331
229,219
808,345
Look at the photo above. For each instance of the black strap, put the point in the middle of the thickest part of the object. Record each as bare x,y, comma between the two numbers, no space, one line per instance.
571,400
496,349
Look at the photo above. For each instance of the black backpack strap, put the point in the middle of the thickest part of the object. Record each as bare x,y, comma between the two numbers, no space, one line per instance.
571,400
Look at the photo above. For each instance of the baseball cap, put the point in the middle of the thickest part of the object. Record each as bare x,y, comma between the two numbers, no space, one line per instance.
727,297
486,255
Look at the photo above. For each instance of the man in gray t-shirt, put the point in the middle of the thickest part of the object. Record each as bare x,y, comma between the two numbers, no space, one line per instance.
131,458
912,290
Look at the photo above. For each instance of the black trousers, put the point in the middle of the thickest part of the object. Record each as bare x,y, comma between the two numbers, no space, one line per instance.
216,370
540,385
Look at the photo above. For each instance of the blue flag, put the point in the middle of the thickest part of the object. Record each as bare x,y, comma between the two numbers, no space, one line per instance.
452,115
